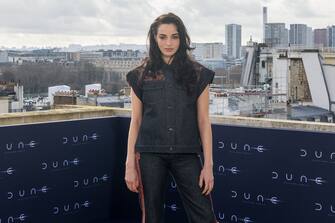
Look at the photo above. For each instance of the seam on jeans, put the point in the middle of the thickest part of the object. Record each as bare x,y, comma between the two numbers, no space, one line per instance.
140,188
210,196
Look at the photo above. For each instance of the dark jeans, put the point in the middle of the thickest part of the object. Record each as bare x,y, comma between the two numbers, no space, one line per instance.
185,169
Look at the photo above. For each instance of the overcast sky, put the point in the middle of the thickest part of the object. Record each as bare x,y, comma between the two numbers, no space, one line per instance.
91,22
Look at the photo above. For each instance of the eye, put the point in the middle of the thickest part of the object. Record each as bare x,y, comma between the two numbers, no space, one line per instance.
175,37
162,37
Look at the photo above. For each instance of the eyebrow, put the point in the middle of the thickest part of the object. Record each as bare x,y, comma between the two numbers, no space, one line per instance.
174,34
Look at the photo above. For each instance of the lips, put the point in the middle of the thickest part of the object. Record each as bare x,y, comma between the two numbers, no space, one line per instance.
169,49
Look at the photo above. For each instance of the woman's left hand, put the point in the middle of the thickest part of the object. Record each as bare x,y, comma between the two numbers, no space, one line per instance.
206,179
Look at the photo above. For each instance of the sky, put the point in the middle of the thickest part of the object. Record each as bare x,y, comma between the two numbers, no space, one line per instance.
58,23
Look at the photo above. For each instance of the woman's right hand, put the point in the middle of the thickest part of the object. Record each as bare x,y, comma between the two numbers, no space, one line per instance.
131,178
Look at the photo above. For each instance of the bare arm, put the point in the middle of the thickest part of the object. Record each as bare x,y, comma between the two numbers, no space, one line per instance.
135,123
205,130
131,177
205,126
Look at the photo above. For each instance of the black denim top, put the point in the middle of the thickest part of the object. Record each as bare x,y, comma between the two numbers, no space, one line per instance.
169,118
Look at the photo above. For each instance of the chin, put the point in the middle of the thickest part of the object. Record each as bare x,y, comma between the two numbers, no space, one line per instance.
170,54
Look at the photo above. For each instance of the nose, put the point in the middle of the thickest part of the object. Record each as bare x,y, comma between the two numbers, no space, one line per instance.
168,41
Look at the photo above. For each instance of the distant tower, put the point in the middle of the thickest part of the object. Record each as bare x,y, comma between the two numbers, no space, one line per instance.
250,43
233,40
265,20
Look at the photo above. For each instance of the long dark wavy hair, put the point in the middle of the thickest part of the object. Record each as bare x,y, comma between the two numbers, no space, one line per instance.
182,64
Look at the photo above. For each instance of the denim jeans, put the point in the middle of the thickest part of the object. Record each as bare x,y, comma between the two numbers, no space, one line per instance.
185,169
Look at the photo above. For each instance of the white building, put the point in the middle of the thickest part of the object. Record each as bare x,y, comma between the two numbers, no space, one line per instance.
280,76
90,87
52,90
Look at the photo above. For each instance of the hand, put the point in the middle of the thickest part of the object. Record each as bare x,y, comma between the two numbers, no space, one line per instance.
207,179
131,178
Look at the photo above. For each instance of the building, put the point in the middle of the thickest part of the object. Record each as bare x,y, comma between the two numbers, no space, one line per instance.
213,64
320,38
298,75
207,51
54,89
36,56
331,36
276,35
116,64
265,20
123,54
90,87
117,68
301,35
73,56
65,98
3,57
310,37
233,40
90,56
11,97
265,66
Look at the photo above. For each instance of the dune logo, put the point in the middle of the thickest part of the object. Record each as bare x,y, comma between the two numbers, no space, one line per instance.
243,148
8,171
23,193
320,207
82,139
172,207
258,199
234,170
69,208
57,165
13,219
87,182
317,155
234,218
20,146
302,179
173,185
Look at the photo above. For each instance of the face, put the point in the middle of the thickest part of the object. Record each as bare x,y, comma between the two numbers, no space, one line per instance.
167,40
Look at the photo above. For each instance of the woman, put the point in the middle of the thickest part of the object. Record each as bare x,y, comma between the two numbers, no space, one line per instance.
170,125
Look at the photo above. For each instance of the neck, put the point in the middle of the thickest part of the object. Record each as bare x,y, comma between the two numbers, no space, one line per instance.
167,60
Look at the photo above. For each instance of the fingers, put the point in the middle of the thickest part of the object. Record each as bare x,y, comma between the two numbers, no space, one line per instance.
207,182
209,185
132,185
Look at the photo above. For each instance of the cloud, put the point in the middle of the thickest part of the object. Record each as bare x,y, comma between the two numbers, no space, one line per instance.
113,21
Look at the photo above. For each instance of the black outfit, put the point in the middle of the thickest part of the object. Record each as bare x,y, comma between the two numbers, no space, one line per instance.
169,142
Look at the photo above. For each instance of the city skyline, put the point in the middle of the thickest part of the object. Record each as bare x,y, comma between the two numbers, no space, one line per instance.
60,23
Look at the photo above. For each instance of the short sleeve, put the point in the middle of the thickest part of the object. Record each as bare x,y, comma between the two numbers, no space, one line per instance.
132,79
206,77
